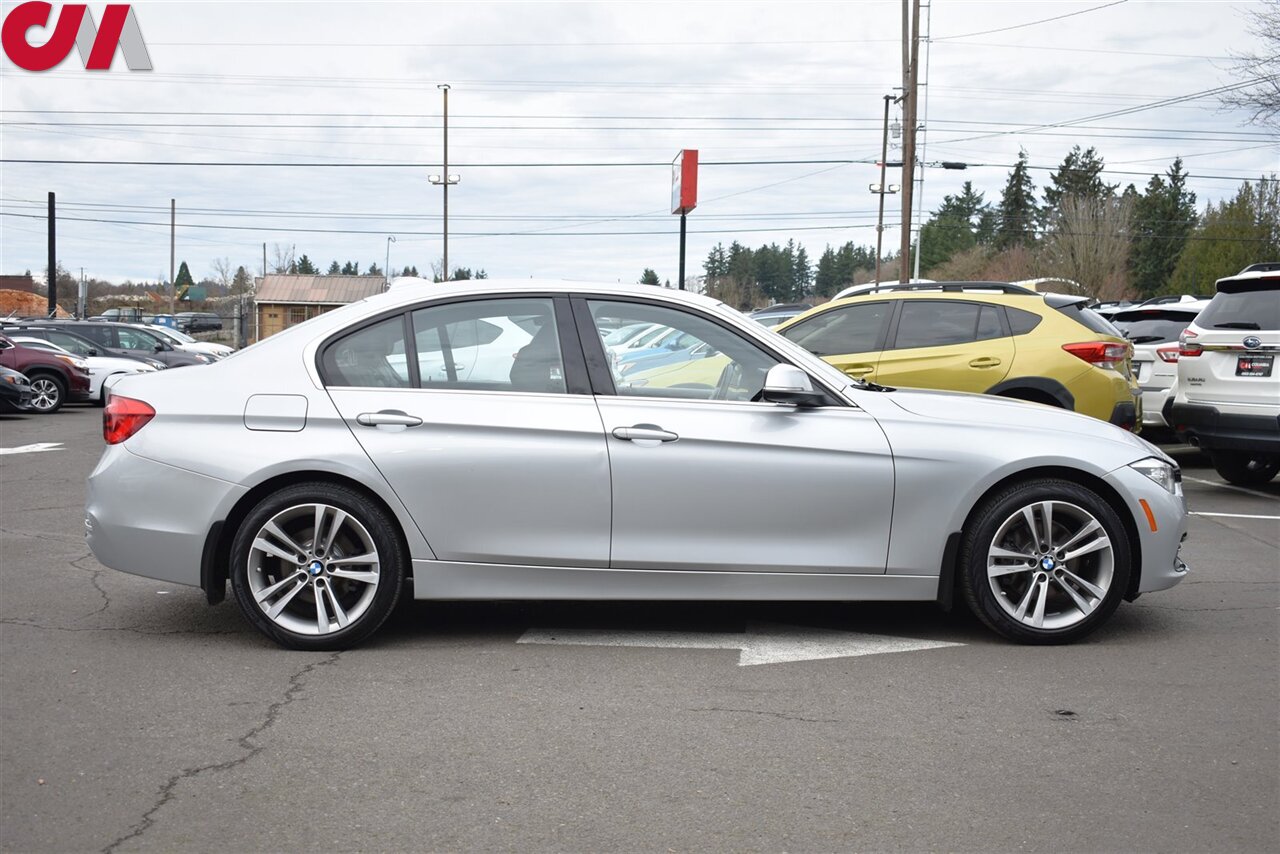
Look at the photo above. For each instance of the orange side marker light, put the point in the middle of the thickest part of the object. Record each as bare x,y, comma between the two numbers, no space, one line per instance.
1151,517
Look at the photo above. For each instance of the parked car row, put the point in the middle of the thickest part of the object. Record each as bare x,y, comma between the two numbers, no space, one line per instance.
79,360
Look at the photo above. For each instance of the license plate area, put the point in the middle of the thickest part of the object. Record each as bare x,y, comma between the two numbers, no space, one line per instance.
1259,365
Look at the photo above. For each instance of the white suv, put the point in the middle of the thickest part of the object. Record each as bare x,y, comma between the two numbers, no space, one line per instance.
1228,388
1154,330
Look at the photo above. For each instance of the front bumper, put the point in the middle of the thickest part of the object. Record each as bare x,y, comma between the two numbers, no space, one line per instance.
152,519
1207,427
1162,565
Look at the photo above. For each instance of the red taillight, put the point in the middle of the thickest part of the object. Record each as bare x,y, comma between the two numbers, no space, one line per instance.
1186,347
123,417
1101,353
1167,354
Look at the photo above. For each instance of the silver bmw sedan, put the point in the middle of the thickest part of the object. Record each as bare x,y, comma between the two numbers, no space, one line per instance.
480,440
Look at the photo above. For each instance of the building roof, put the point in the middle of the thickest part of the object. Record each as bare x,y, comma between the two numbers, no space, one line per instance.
325,290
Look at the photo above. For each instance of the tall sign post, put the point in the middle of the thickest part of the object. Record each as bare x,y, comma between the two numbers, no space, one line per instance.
52,281
684,193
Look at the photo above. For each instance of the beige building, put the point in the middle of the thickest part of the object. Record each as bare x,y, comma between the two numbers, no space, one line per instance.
281,301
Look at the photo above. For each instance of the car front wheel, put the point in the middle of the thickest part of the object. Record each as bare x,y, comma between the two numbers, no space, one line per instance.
1045,562
47,393
317,566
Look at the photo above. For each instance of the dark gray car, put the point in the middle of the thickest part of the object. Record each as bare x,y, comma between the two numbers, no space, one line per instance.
124,340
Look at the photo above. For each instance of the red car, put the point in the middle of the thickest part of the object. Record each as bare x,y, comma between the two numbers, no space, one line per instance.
55,379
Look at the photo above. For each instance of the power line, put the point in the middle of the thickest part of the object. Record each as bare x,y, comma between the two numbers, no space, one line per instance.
1031,23
420,165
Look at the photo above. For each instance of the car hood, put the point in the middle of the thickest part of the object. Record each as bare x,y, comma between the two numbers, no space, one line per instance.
1003,413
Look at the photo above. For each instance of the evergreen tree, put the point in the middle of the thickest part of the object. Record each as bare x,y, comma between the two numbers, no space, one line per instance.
1231,236
1164,216
942,237
825,280
374,269
649,277
183,279
1017,213
1078,175
802,274
242,283
717,264
334,269
350,269
305,267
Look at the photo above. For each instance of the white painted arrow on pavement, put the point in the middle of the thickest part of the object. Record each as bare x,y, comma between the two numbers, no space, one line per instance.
759,644
32,449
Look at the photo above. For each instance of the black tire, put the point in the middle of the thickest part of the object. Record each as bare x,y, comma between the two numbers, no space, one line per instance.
1106,569
50,390
318,596
1244,468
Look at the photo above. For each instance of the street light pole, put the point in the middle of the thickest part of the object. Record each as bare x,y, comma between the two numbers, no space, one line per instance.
444,180
386,270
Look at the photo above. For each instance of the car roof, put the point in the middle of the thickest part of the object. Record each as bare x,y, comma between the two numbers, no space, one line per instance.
402,289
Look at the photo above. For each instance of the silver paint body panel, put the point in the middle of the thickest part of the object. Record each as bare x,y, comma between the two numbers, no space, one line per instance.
518,495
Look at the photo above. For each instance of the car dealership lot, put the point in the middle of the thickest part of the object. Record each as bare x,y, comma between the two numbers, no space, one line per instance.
136,717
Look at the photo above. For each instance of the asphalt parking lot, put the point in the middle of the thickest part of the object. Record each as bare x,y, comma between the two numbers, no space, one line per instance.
135,717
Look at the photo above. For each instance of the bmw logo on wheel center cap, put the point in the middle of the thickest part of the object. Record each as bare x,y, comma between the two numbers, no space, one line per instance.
1047,563
316,567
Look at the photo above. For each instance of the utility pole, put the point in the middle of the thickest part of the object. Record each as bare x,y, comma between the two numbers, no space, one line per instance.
924,123
173,227
52,279
444,180
910,84
880,189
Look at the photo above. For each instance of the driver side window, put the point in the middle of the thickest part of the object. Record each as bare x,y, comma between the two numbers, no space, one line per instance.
693,357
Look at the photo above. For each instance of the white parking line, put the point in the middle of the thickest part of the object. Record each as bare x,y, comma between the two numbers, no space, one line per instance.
1230,486
1233,515
33,449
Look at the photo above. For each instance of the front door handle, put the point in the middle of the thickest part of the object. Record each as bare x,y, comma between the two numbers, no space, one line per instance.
644,433
858,370
984,362
388,418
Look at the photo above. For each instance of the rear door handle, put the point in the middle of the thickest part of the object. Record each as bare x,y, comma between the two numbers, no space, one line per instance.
644,433
388,418
984,362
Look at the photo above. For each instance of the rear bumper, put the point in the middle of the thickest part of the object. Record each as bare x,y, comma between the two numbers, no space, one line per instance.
1207,427
151,519
1125,415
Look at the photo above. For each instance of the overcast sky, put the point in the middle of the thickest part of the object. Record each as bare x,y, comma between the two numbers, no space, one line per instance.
614,85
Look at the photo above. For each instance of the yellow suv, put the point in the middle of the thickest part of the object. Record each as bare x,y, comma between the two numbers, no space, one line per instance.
986,337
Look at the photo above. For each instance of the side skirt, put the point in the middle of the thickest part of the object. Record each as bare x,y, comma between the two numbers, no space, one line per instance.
433,579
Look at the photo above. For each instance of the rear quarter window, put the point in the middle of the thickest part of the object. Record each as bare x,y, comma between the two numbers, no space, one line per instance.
1090,319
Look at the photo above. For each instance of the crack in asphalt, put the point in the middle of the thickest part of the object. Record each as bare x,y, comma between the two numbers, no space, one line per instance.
1235,530
94,575
165,794
782,715
37,535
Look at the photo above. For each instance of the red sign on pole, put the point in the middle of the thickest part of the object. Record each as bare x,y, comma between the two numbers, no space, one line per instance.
684,181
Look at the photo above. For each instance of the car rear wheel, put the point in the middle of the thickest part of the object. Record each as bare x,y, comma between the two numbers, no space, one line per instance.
48,393
317,566
1245,468
1045,562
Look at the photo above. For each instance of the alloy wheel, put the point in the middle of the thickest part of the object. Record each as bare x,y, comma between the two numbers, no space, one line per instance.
45,394
1050,564
313,569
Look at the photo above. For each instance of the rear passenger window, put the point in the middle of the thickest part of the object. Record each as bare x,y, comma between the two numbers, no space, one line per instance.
937,323
852,329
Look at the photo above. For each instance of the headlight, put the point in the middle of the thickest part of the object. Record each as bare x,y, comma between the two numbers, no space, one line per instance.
157,364
203,358
1168,476
11,379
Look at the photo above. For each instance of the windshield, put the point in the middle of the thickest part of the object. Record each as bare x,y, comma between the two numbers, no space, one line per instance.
172,333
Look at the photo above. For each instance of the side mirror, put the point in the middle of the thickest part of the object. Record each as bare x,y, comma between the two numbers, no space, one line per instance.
159,346
789,384
93,351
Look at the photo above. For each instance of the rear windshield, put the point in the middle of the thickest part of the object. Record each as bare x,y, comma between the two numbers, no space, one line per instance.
1152,326
1244,310
1089,319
